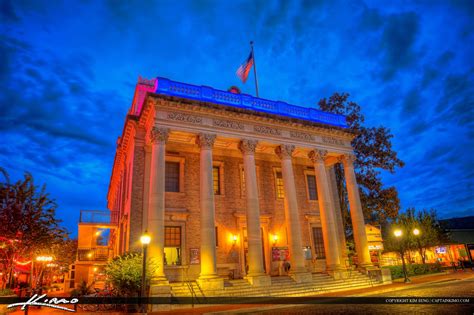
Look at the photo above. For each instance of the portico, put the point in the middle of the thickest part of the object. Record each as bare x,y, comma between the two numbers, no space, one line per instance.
211,164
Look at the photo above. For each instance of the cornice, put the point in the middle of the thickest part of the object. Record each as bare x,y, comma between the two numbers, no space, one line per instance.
249,115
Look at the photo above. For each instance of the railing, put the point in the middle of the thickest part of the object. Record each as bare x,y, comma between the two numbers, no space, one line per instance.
208,94
96,216
93,254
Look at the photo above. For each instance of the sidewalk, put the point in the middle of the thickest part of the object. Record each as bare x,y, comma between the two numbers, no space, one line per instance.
398,284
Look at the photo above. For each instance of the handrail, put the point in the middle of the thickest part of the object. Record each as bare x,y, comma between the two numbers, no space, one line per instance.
191,289
208,94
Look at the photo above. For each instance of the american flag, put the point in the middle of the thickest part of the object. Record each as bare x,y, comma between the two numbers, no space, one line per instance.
244,69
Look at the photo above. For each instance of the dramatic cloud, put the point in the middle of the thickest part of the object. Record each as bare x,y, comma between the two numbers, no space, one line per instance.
68,70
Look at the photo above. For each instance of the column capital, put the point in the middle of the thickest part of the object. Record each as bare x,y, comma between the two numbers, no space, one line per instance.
159,135
318,155
205,140
248,146
285,151
348,159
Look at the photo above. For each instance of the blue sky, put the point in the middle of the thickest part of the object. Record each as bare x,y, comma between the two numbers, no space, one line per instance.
68,71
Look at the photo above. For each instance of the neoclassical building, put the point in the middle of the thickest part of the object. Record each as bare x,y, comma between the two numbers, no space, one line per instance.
229,185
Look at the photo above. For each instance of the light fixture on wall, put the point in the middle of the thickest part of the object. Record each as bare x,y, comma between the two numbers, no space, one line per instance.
275,239
234,239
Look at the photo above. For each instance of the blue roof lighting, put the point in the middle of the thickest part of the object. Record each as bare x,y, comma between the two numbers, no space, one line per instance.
245,101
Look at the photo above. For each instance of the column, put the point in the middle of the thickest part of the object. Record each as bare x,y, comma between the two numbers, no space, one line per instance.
208,279
357,216
156,205
337,210
256,275
326,211
298,271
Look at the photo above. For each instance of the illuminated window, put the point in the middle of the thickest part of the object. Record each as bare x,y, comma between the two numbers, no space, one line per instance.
216,178
279,185
318,242
172,245
242,180
312,190
172,176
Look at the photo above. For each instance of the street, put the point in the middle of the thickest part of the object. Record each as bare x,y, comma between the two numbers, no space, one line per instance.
452,288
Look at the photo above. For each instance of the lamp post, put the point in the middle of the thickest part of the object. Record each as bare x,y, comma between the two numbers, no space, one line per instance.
145,240
398,234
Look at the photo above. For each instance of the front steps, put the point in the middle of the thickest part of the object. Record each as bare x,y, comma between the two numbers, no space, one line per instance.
282,286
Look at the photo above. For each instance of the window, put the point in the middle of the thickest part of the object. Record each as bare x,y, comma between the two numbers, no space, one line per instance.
216,180
172,245
172,176
217,237
242,181
318,242
279,185
312,190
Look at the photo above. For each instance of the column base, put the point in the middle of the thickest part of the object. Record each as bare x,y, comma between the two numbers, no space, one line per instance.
210,283
301,277
259,280
334,268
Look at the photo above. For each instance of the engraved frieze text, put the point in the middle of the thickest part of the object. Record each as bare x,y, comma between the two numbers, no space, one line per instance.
185,118
301,135
267,130
331,140
228,124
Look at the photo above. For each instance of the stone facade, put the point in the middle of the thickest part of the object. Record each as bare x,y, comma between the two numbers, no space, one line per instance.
249,148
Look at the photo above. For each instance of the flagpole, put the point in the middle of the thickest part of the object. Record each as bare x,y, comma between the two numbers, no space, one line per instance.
254,69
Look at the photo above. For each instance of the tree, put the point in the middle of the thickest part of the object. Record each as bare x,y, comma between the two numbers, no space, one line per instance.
374,152
431,233
28,225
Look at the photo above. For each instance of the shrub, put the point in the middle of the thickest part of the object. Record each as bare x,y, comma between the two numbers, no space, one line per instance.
125,273
5,292
414,269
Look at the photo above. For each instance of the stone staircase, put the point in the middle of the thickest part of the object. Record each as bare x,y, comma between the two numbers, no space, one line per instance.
282,286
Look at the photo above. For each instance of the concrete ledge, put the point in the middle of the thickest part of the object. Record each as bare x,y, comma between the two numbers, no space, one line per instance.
302,277
259,280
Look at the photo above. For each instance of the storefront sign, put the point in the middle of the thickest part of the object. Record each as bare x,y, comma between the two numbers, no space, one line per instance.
440,250
376,246
374,237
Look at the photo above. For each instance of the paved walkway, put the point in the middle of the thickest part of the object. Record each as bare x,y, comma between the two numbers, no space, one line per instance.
241,308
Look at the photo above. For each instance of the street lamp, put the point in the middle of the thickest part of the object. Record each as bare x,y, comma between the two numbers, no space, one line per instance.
145,240
398,234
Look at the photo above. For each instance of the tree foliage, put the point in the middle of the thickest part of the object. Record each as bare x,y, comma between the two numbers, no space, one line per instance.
374,153
28,226
430,232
